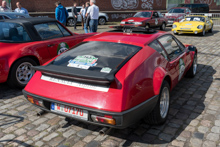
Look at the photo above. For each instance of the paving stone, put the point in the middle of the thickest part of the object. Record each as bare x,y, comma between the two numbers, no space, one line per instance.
213,137
42,127
215,129
50,136
53,121
178,143
40,135
203,129
198,135
206,123
83,133
169,130
20,131
195,142
93,144
209,144
39,121
89,138
32,133
68,133
39,143
21,124
56,141
153,131
165,137
110,142
7,138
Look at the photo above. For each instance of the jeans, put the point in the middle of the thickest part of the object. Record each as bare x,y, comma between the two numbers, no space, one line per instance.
85,28
93,24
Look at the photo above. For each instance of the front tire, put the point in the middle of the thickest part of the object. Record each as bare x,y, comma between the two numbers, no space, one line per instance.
160,112
163,26
193,69
21,73
102,20
203,32
211,30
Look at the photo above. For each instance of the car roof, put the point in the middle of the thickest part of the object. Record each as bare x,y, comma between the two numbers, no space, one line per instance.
12,13
137,39
32,20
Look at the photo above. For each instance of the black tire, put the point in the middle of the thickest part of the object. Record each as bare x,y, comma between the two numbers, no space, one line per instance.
211,30
70,22
24,64
102,20
163,26
155,117
175,33
193,69
203,32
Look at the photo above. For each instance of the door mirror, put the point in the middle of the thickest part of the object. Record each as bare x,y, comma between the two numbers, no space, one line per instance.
207,21
190,48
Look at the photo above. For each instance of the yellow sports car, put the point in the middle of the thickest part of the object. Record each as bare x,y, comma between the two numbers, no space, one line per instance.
193,24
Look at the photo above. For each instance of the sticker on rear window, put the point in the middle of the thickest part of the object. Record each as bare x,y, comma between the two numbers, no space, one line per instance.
83,62
62,47
106,70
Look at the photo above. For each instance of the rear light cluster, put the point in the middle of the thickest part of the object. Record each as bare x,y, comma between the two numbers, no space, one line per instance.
35,101
106,119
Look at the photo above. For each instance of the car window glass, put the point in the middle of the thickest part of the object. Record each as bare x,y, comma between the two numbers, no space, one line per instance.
143,14
64,31
155,45
176,11
6,17
78,9
170,45
160,15
12,32
48,30
69,10
155,14
1,17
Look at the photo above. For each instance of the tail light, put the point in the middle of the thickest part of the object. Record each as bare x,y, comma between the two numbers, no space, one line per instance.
106,120
35,101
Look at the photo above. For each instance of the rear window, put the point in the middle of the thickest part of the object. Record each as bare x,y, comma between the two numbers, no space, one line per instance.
97,56
176,11
12,32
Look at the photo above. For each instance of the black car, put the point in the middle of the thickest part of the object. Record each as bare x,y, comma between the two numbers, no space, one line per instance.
196,8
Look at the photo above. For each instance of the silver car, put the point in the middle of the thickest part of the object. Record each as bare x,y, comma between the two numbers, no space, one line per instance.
12,15
103,17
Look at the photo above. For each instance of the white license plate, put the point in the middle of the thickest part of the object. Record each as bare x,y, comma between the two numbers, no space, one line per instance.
170,21
69,111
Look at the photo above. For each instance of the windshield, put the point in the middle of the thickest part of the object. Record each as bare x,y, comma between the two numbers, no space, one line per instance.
176,11
143,14
12,32
195,18
96,56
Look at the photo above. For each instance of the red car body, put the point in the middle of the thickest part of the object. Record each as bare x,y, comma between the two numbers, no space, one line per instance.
176,14
155,19
38,49
132,92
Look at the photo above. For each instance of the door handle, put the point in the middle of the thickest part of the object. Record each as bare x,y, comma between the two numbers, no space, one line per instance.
50,45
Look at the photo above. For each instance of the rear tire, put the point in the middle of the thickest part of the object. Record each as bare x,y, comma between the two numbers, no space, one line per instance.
163,26
203,32
70,22
160,112
175,33
193,69
21,73
102,21
211,30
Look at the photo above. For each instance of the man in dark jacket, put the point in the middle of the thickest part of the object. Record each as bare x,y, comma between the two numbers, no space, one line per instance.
74,13
86,20
61,13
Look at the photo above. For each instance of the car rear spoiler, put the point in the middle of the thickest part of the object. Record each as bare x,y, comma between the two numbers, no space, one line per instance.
79,75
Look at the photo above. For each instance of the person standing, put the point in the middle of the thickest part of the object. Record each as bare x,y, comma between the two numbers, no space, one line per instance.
87,18
93,11
74,13
61,13
4,7
20,9
82,13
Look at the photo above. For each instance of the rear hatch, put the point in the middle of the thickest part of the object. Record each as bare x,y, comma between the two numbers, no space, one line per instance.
91,62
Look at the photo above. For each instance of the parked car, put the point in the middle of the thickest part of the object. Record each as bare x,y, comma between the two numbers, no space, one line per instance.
114,78
196,8
148,19
103,17
12,15
193,24
28,42
176,14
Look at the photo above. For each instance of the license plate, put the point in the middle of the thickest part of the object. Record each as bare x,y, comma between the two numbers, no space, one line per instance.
69,111
185,28
170,21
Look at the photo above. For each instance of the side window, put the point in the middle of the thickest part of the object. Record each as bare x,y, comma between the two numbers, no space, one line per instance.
64,31
48,30
1,17
160,15
155,14
155,45
6,17
170,45
69,10
78,10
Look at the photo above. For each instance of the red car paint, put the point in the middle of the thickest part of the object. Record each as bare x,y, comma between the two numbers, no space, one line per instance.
151,21
39,50
137,81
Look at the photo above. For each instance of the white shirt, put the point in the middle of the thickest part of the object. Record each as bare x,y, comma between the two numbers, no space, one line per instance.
93,11
22,10
82,11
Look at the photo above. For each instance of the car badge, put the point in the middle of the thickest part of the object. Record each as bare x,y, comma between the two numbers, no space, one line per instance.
131,20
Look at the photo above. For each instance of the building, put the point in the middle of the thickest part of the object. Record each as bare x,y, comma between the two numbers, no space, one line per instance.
116,9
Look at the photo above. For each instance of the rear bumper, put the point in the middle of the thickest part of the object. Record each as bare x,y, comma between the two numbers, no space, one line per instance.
123,119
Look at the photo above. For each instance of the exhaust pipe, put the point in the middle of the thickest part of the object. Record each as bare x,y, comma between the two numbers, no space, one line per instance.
104,131
42,112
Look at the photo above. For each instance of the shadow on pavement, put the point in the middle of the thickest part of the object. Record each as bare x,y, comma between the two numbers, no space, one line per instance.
9,119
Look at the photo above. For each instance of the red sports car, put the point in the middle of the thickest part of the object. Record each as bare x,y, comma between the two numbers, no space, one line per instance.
176,14
114,79
31,41
148,19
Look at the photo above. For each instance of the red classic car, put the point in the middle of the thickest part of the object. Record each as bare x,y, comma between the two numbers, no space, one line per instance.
148,19
114,79
31,41
176,14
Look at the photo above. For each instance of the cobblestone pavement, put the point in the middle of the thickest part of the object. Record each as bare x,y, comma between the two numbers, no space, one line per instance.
194,117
